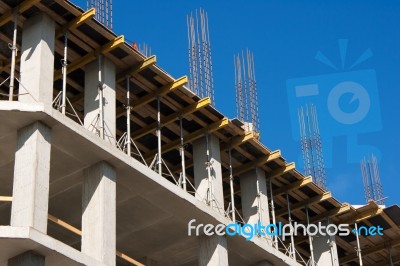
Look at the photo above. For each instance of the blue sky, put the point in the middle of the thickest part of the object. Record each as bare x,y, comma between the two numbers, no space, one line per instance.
285,37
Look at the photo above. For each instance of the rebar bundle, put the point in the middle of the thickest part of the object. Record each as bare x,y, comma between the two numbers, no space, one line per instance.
311,145
372,181
246,90
103,11
201,79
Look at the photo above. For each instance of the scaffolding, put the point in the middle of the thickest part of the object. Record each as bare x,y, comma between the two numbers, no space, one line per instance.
201,80
246,91
372,181
311,145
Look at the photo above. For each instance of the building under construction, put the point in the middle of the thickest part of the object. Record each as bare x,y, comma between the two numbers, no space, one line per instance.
105,158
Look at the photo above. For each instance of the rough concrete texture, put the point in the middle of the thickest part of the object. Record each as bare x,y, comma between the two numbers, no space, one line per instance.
201,172
99,213
91,100
213,251
263,263
28,258
250,201
325,250
37,60
31,177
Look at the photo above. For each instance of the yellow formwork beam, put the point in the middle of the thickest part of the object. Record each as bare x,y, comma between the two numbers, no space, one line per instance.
295,185
7,16
92,56
302,204
345,207
6,198
257,162
137,68
76,22
202,103
281,171
238,140
160,92
192,136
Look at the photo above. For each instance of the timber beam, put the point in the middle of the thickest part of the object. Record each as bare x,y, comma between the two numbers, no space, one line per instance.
302,204
78,21
8,16
137,68
295,185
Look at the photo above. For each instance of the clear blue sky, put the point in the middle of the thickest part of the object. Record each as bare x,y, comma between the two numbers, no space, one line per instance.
285,37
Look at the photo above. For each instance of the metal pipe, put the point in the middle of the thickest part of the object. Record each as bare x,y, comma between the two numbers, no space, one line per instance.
310,239
209,191
182,150
13,56
101,104
389,248
64,72
273,212
159,163
128,118
231,185
291,235
358,246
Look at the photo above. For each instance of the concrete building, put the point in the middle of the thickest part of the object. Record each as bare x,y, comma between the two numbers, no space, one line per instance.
74,191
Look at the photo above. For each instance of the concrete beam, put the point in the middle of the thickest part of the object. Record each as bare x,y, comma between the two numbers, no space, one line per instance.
27,258
213,251
37,60
99,213
31,177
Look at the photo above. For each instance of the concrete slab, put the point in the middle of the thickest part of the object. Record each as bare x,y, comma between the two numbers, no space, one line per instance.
152,213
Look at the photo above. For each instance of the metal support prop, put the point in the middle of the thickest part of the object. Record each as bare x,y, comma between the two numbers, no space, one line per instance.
259,212
128,118
208,163
273,212
310,239
182,151
358,246
293,252
64,72
101,99
13,57
159,162
389,248
231,186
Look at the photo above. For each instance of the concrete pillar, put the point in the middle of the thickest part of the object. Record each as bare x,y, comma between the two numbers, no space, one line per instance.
325,250
249,182
91,105
37,60
99,213
201,181
31,177
28,258
213,251
263,263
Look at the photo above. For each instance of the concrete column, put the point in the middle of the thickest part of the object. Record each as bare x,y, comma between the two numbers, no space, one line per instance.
201,181
91,105
37,60
249,182
31,177
325,250
213,250
263,263
99,213
28,258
